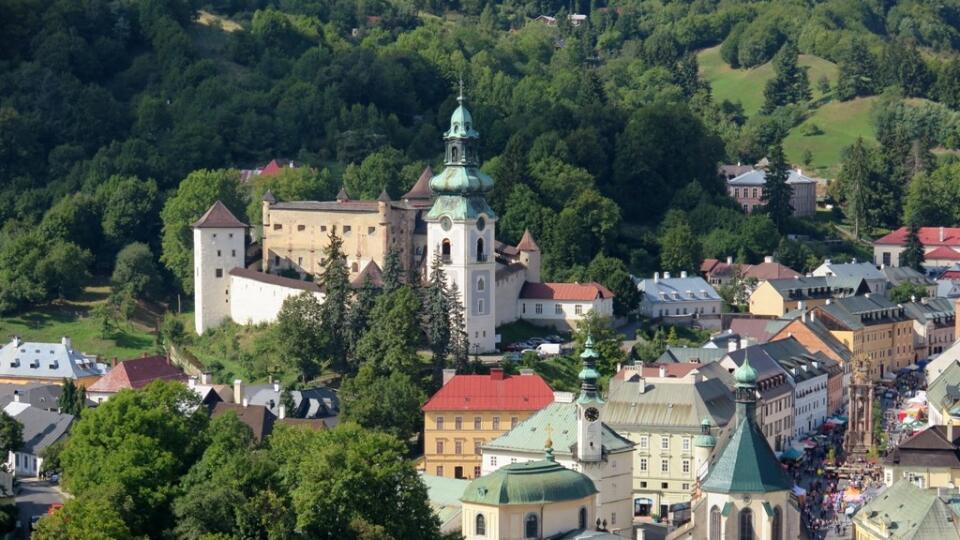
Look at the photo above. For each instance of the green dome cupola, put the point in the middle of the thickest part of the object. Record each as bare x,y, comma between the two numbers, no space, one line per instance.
461,174
705,439
589,374
745,375
533,482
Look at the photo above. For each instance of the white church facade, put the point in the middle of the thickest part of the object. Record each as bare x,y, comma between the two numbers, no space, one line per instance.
445,214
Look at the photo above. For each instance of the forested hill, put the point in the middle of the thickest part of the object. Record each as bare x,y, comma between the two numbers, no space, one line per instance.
603,137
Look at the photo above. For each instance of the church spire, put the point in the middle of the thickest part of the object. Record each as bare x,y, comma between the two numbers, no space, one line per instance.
745,377
461,175
589,375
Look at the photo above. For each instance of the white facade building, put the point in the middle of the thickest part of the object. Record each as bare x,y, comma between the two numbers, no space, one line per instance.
680,299
218,248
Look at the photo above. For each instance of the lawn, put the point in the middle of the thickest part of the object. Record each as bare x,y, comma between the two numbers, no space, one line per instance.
70,319
841,123
746,85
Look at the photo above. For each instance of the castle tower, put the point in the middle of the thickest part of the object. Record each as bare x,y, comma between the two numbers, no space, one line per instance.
460,226
703,445
218,247
530,256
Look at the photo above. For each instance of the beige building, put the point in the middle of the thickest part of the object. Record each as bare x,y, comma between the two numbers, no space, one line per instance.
777,297
471,410
928,459
934,325
661,409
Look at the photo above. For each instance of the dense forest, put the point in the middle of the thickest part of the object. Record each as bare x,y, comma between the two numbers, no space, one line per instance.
602,136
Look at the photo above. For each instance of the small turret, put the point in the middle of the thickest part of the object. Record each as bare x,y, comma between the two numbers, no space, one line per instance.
703,445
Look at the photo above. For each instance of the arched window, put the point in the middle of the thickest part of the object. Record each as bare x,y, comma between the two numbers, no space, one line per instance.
777,524
480,284
481,527
480,256
453,154
746,525
714,523
354,267
445,249
583,518
531,526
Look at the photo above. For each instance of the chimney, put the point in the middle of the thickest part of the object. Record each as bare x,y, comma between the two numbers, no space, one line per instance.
826,261
641,384
205,377
496,374
941,233
16,396
15,341
656,277
448,375
237,391
246,403
143,354
663,372
276,386
666,275
882,266
867,295
913,298
729,259
283,411
113,363
65,341
641,533
768,259
192,382
683,274
812,317
828,301
733,344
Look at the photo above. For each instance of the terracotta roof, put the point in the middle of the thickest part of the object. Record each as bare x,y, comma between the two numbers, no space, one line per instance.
219,217
527,243
342,194
421,189
942,253
275,167
494,392
929,236
373,271
137,373
770,270
384,196
950,275
258,417
274,279
565,291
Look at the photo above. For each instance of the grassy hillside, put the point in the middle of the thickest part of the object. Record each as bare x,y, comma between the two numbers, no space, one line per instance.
746,85
841,123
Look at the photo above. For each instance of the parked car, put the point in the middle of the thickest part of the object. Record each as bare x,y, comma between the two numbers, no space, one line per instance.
548,349
553,338
534,341
525,351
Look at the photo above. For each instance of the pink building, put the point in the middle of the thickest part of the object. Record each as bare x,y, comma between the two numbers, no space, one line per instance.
747,189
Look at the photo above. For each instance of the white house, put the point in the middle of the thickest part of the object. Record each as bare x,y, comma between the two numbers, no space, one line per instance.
561,305
680,299
875,279
41,428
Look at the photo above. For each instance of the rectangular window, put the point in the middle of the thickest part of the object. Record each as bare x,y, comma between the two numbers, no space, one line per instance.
644,442
513,421
476,471
439,423
371,230
664,485
476,446
643,485
218,253
665,465
664,443
301,227
477,423
439,447
538,308
496,423
558,309
439,470
613,518
277,226
347,229
458,447
578,309
458,423
219,272
685,466
323,228
686,444
685,487
493,461
233,253
643,464
480,306
299,261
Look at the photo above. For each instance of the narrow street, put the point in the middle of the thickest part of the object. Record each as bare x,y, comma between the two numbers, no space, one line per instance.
34,498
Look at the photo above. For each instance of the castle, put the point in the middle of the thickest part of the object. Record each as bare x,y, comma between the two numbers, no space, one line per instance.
445,214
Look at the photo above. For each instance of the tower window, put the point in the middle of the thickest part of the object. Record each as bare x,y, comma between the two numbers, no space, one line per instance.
218,253
746,525
531,526
481,256
445,250
481,526
480,284
354,267
219,272
453,154
714,533
582,522
480,306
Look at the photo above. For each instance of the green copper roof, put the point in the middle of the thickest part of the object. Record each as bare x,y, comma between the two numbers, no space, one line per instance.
533,482
589,374
461,179
745,374
561,418
747,464
457,207
705,439
907,512
461,124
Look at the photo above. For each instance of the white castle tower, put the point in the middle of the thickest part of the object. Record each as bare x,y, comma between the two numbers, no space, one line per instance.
218,247
461,227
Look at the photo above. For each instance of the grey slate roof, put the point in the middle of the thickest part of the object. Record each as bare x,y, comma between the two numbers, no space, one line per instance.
42,396
854,311
529,435
855,270
686,354
758,177
904,274
308,403
667,406
40,428
763,360
34,360
818,286
675,290
936,310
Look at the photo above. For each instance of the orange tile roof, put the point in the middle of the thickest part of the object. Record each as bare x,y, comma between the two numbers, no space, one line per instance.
494,392
137,373
565,291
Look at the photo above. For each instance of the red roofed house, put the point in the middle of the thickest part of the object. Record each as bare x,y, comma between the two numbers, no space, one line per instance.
562,305
941,246
134,374
470,410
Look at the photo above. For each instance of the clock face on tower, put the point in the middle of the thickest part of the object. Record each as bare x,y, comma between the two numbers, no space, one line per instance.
445,223
591,414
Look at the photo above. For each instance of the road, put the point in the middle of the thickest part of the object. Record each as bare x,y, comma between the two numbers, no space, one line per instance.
34,498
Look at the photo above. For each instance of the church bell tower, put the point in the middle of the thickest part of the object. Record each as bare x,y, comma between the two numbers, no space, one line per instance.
589,407
460,228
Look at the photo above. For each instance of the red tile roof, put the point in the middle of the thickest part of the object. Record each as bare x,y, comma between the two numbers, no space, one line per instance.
137,373
942,253
951,275
527,243
929,236
565,291
770,270
494,392
219,217
421,190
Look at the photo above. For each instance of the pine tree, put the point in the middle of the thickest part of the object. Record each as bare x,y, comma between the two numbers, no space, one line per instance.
776,191
790,84
436,316
393,274
459,340
335,281
854,180
857,74
359,318
912,256
72,398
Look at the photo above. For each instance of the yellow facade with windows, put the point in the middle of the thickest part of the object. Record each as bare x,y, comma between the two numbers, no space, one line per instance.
887,345
452,439
664,472
768,300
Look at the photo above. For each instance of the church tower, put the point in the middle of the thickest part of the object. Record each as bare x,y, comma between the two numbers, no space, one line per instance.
589,407
218,247
460,227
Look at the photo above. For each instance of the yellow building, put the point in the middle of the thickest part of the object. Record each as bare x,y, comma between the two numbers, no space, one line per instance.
874,326
470,410
776,297
296,233
928,459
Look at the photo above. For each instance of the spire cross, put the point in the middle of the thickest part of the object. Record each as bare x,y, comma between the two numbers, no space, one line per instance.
460,97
